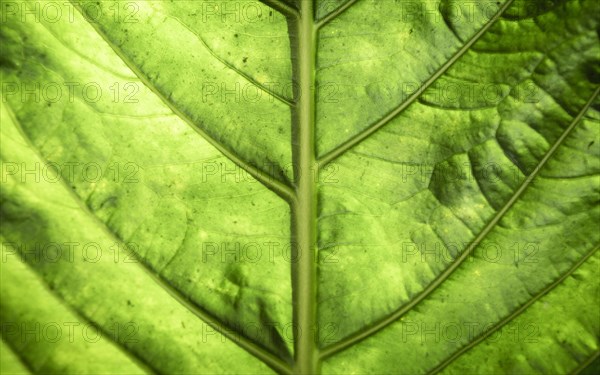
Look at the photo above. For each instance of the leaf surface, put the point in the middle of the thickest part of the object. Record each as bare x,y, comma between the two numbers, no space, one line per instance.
300,187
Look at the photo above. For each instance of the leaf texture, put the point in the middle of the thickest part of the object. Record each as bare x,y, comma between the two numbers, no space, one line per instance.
329,186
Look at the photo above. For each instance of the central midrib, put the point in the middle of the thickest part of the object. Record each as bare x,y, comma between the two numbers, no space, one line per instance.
304,273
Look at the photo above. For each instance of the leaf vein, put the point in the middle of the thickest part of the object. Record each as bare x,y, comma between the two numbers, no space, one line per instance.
339,10
361,136
359,336
282,189
514,314
282,7
257,351
232,67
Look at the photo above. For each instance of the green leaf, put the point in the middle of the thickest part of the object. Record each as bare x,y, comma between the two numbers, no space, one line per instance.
352,187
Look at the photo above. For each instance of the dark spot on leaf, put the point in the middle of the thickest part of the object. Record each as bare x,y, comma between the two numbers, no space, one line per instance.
592,72
245,59
591,144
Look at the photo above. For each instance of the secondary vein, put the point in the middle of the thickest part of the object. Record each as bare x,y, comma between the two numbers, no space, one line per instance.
361,136
260,353
586,363
513,315
134,357
358,336
283,190
277,96
341,9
